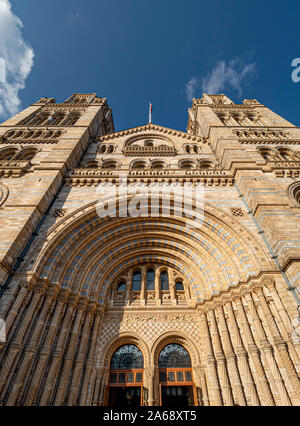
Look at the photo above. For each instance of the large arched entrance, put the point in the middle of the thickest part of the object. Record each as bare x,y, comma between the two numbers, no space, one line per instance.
176,383
126,377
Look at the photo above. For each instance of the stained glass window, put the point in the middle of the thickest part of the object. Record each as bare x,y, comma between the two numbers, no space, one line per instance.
130,377
174,356
164,280
150,279
179,285
136,281
122,286
126,358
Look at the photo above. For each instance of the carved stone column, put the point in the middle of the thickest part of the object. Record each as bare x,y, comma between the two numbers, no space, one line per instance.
204,387
56,358
266,347
45,350
231,358
97,388
278,307
260,377
149,376
221,361
242,358
157,287
198,381
75,384
100,392
24,289
143,284
279,342
91,360
30,349
17,341
172,288
68,357
211,362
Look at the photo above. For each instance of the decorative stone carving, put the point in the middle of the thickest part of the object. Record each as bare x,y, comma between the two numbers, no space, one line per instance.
3,193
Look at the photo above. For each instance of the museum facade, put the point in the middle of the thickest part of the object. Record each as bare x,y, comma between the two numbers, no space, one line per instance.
118,288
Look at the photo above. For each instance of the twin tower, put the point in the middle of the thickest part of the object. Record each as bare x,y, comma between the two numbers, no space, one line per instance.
147,309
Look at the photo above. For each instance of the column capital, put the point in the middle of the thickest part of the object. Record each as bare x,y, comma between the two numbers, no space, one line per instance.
237,298
257,289
100,309
73,299
53,290
91,307
82,303
268,282
63,294
41,286
149,371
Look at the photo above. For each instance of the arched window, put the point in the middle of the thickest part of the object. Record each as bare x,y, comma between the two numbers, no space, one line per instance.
294,191
186,164
127,357
285,154
139,165
179,286
109,164
121,286
8,154
150,279
136,281
157,165
19,134
266,153
29,135
174,356
93,164
49,134
37,134
148,143
164,280
26,154
205,164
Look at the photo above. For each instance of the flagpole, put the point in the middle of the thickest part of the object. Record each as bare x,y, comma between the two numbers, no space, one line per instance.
150,112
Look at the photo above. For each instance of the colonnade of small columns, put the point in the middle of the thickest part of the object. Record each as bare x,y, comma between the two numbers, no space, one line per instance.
157,293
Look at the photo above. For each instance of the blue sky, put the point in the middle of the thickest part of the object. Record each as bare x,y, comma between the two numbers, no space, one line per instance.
164,51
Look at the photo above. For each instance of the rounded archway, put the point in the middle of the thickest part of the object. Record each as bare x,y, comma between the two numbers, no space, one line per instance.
125,387
176,384
176,357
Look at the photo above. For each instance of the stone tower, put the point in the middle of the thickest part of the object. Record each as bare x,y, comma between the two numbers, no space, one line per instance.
145,307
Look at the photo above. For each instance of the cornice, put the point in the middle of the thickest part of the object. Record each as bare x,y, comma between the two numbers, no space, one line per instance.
13,168
269,141
152,128
238,291
248,104
91,177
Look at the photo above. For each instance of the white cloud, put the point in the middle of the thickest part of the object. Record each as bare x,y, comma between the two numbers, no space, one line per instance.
16,60
224,76
227,75
190,88
2,71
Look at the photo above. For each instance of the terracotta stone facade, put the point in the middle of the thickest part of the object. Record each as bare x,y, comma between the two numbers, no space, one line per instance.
76,287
